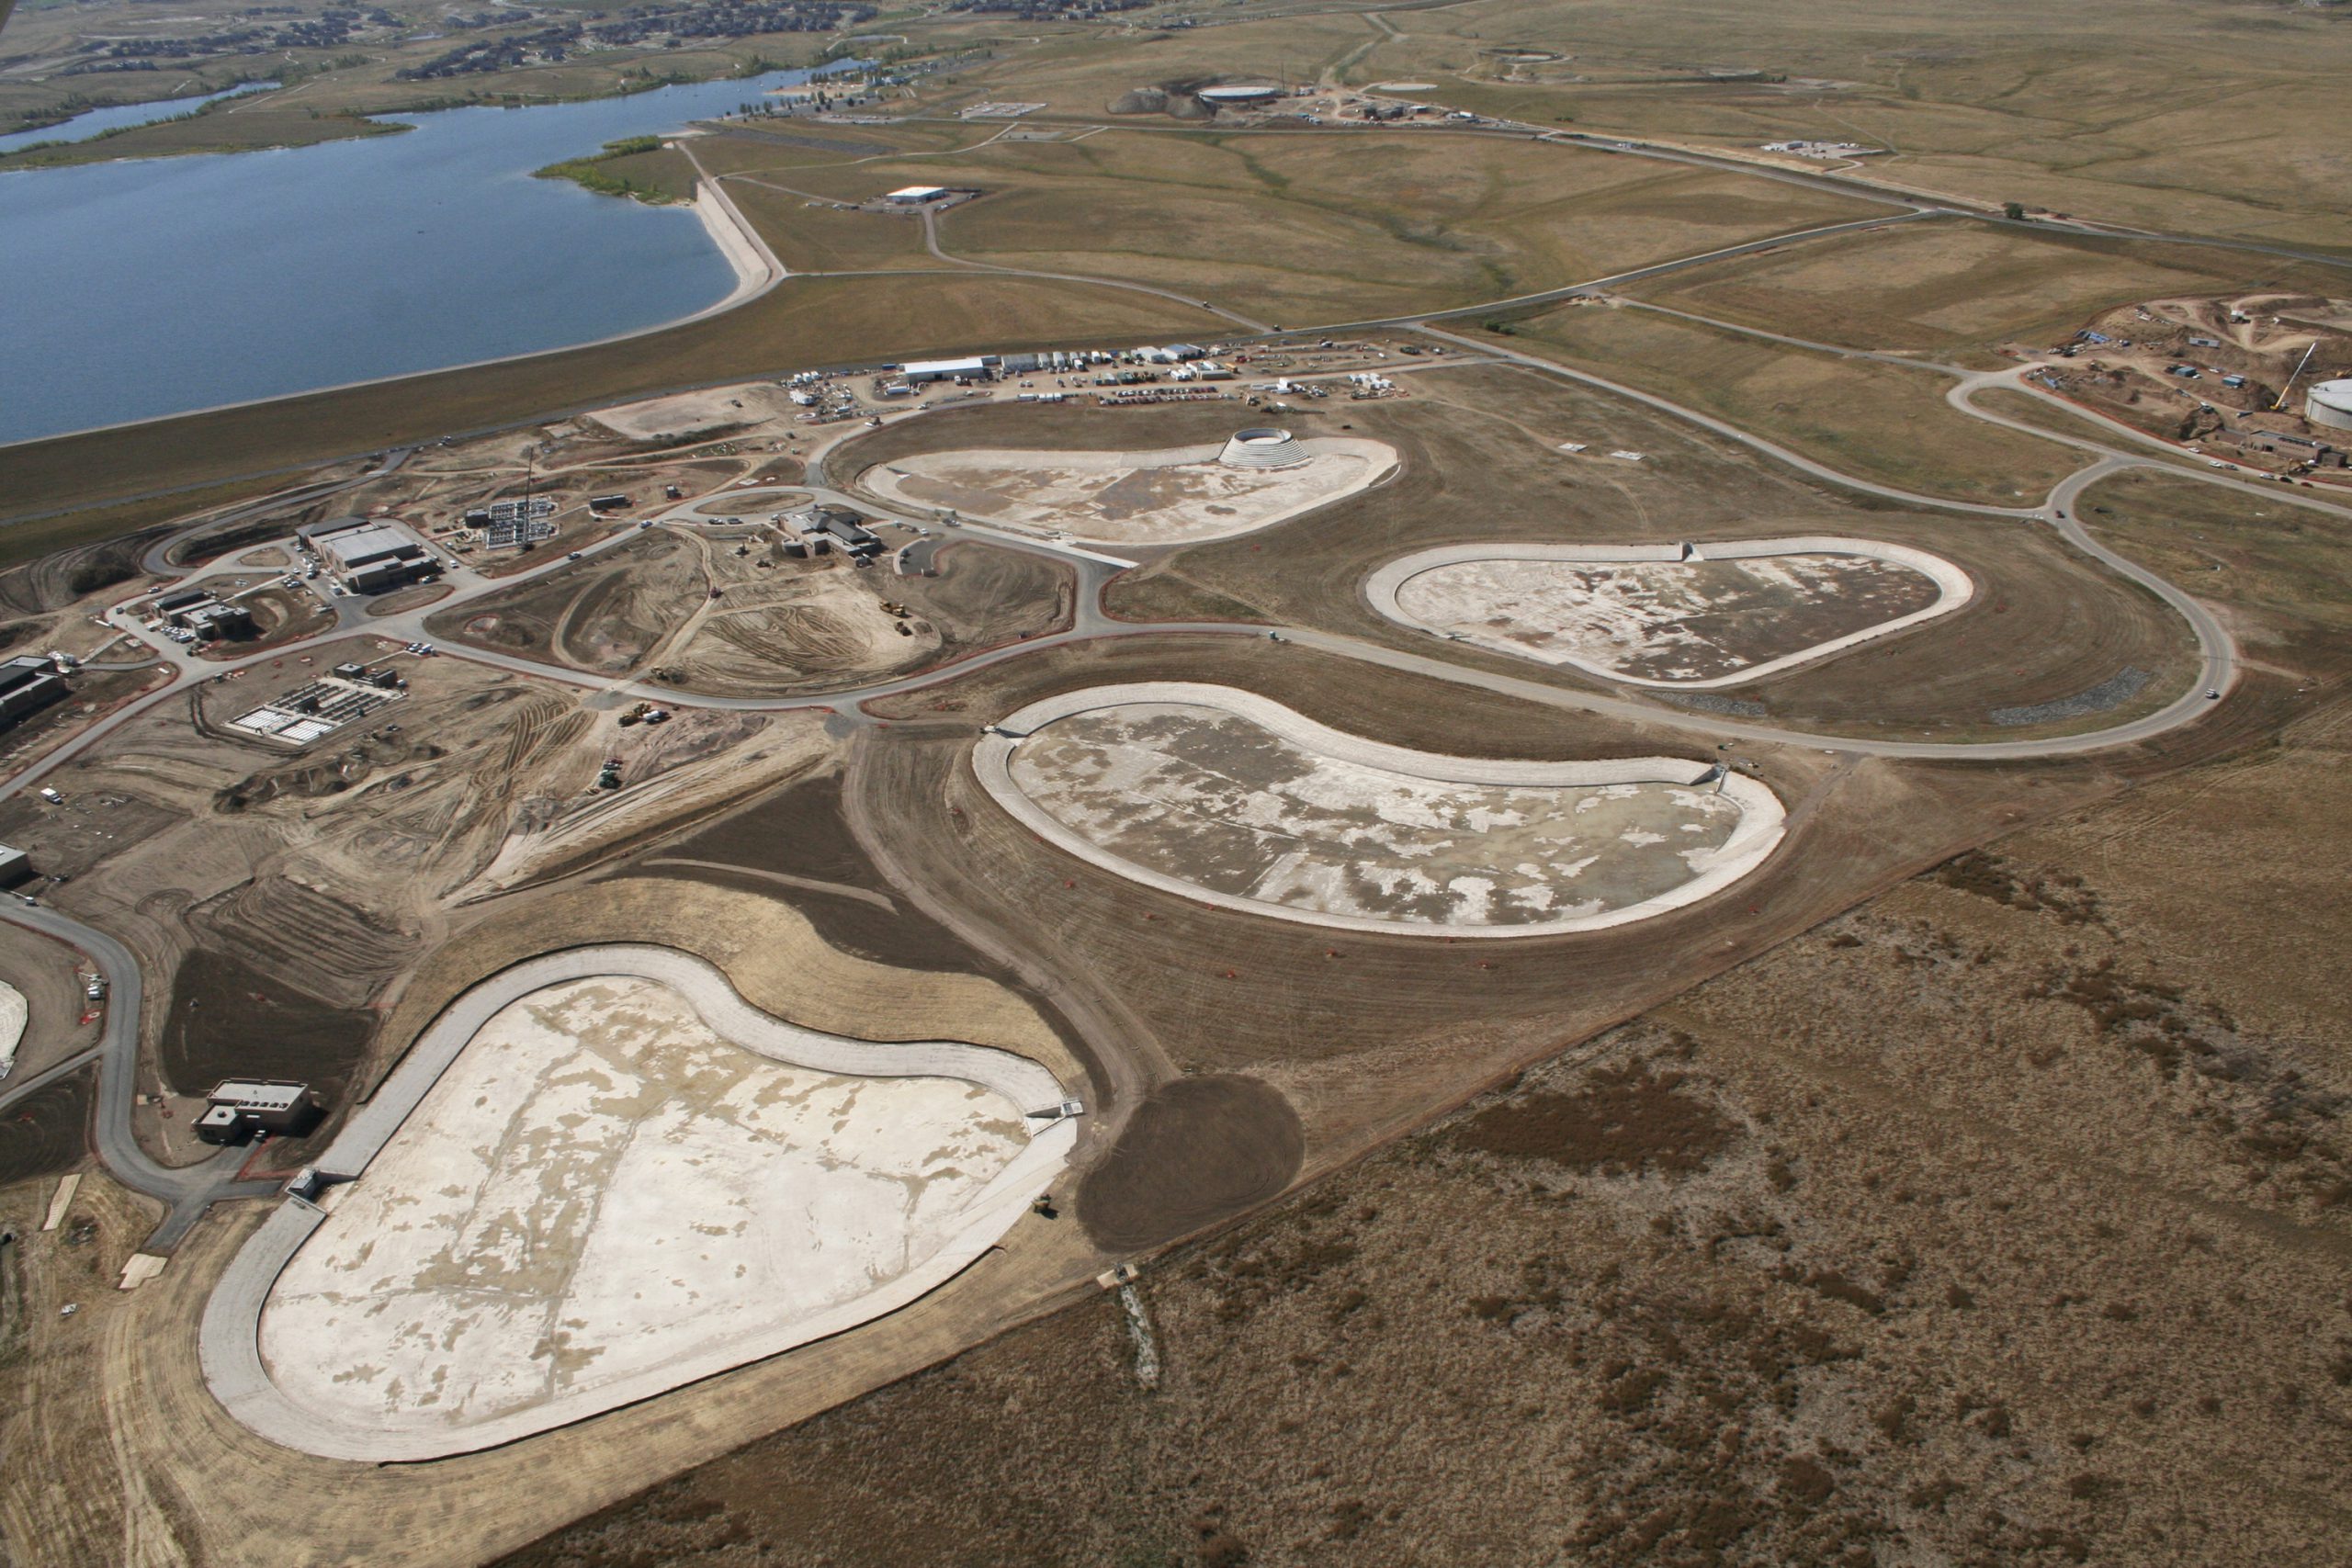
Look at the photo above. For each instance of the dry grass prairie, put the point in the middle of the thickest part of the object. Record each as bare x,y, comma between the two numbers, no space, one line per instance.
1861,417
1957,287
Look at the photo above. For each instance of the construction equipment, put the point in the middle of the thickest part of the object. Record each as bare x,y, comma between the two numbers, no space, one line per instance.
2305,360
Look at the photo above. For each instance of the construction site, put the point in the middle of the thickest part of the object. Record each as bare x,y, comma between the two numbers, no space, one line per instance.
768,896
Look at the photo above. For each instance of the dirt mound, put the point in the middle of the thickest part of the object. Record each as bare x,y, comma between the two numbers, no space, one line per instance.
1199,1150
1139,100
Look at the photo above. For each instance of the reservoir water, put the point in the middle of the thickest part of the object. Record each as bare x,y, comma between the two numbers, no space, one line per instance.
120,117
156,286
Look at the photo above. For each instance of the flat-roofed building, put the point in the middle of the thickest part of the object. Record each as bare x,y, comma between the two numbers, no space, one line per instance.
915,196
981,367
238,1108
368,557
28,682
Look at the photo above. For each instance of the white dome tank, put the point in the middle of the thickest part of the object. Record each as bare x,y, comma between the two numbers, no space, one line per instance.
2329,405
1268,448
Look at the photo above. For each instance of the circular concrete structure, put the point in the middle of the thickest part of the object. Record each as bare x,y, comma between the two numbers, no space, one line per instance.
2330,404
1685,618
1266,448
1229,799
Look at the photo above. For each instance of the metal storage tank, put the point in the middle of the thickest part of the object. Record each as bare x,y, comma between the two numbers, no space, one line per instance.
2330,403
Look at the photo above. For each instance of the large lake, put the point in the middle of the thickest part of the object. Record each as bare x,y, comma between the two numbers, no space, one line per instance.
148,287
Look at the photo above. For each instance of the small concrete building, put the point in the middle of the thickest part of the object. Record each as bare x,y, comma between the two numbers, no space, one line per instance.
238,1108
27,682
16,867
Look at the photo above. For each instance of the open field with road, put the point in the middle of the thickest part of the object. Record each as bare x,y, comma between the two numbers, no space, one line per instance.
1956,289
1875,420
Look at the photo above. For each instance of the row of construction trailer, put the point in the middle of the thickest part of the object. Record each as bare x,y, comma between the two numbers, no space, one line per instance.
990,367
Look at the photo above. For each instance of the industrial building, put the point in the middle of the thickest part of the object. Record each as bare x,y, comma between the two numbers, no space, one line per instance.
1249,94
28,682
915,196
367,556
2299,448
16,867
238,1108
838,524
980,368
205,617
2329,405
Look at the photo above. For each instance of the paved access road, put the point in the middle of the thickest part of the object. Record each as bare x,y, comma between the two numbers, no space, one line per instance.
186,1190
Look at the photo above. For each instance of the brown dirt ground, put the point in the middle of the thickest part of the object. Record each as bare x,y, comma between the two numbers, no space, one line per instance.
44,970
48,1131
230,1020
1197,1152
779,634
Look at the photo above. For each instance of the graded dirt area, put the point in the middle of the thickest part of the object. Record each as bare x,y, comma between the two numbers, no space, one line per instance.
1198,1151
1175,496
727,613
48,1130
1208,790
713,411
601,1191
1665,616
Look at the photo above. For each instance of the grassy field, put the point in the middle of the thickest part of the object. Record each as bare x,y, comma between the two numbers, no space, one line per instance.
2008,100
804,322
216,132
1874,421
1307,228
2284,571
1962,286
818,239
40,536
